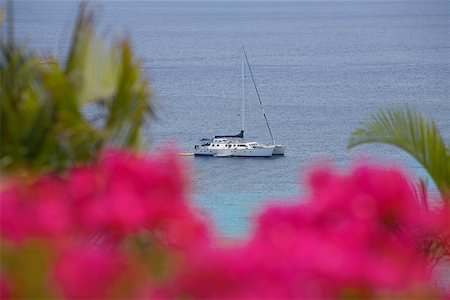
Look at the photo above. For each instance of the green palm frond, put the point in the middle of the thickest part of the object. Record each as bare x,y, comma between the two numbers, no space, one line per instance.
128,105
43,123
91,65
407,129
109,75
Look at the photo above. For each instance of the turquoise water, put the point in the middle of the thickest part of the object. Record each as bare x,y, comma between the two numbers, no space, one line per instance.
321,67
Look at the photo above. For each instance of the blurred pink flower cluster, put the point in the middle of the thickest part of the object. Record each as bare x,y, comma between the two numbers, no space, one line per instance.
83,218
354,237
123,227
116,196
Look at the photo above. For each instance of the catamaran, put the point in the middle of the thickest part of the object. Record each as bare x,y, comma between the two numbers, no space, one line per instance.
236,145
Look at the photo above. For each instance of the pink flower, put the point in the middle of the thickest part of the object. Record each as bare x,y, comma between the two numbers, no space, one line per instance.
41,209
343,242
120,194
89,272
183,232
125,192
354,235
5,291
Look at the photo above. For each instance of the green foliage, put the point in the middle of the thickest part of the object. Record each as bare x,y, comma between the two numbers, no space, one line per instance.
27,267
42,108
407,129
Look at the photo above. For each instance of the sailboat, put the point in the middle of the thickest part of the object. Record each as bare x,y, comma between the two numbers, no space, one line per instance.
236,145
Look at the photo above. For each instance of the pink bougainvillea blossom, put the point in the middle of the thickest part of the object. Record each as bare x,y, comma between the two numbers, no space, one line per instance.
135,192
5,292
123,226
119,194
89,272
40,209
341,242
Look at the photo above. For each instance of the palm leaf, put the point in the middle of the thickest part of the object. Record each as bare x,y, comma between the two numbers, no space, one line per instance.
111,76
407,129
129,105
91,64
42,115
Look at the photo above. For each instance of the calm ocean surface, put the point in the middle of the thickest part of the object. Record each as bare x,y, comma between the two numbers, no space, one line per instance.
321,67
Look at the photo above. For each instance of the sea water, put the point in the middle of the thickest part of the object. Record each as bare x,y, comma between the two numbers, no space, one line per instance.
321,68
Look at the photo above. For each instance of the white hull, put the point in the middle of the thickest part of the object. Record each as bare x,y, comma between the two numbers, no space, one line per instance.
262,152
223,147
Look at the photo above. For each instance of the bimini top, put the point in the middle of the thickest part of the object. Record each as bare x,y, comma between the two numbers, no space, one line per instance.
239,135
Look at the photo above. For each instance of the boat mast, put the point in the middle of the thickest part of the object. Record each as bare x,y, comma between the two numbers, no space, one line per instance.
243,91
257,93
